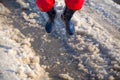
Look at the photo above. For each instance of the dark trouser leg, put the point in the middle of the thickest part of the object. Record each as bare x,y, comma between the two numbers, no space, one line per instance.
50,23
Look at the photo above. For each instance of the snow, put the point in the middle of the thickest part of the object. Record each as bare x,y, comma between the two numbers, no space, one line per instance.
93,53
17,59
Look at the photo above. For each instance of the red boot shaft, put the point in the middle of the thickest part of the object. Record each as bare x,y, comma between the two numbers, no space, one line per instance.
74,4
45,5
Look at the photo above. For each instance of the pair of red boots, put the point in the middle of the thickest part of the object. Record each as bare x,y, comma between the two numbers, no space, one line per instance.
71,7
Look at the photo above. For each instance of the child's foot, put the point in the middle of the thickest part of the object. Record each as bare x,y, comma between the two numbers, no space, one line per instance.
66,17
69,26
49,26
50,23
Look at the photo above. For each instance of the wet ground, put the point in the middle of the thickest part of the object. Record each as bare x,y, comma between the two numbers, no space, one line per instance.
56,50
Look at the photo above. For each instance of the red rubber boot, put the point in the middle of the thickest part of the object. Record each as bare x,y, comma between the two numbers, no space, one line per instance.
45,5
74,4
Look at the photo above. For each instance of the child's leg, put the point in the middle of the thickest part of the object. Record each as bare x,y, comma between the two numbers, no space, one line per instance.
74,4
48,7
50,23
45,5
71,7
66,17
